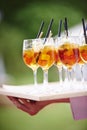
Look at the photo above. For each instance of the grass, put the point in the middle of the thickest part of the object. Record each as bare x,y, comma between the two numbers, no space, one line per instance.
54,116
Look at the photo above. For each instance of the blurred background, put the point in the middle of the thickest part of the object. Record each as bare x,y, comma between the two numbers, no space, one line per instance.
20,19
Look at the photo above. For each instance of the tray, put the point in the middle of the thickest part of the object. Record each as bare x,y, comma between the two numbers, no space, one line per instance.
45,92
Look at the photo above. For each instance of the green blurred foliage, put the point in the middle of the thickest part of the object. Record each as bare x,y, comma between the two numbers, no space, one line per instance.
30,17
53,117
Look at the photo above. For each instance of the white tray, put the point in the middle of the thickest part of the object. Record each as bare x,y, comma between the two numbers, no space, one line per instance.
45,92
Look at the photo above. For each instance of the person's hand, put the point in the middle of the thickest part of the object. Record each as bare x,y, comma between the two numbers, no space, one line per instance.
33,107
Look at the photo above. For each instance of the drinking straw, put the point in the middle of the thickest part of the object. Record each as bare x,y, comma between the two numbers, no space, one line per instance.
59,28
40,35
40,29
48,30
84,29
50,34
66,26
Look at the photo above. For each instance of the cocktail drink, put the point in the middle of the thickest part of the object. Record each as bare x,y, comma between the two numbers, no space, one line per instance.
83,53
31,52
83,47
30,58
47,57
57,59
80,61
83,56
69,53
58,62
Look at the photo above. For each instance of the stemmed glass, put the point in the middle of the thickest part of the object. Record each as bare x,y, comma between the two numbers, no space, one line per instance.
58,62
69,53
47,57
80,61
83,52
31,50
83,55
83,47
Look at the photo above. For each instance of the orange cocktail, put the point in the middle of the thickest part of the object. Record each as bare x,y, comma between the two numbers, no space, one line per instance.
30,58
69,54
31,52
83,53
47,57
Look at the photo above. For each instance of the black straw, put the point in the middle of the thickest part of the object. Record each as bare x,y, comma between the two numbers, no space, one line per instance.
66,26
59,28
84,29
40,29
48,30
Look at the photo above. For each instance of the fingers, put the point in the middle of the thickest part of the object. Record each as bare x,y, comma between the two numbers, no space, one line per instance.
24,104
15,101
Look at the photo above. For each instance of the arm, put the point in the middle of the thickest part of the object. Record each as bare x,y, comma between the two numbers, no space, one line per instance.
33,107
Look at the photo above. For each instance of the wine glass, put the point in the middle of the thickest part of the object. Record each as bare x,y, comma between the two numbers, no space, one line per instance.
80,63
47,57
31,51
58,62
83,53
69,53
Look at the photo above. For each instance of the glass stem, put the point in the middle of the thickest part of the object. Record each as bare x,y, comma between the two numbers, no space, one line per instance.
82,77
66,75
45,79
60,74
35,77
69,71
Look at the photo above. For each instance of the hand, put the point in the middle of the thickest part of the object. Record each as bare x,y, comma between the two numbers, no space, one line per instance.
33,107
